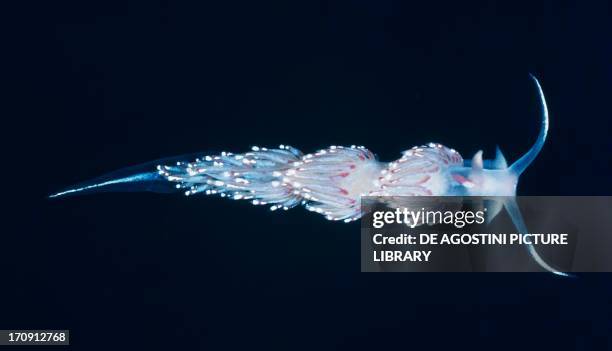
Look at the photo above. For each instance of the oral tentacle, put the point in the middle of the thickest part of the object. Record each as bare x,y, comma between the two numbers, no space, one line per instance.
522,163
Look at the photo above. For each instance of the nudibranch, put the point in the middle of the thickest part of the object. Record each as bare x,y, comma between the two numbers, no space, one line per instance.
331,181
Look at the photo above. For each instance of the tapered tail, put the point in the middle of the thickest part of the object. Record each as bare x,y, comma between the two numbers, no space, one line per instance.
136,182
141,178
253,175
522,163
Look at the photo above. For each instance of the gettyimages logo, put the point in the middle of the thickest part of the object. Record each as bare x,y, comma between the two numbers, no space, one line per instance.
475,234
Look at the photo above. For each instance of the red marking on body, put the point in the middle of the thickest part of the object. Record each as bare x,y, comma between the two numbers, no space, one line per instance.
343,191
352,166
423,180
361,157
460,179
344,174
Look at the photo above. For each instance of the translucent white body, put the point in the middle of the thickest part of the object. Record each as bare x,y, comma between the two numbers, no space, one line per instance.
332,181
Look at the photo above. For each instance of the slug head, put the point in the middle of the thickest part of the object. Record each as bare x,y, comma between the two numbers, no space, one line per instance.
488,177
494,177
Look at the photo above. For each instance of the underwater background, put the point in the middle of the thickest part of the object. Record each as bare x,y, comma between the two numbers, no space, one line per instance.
96,86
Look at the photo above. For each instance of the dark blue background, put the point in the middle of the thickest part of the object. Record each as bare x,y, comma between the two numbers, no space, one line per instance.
99,85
